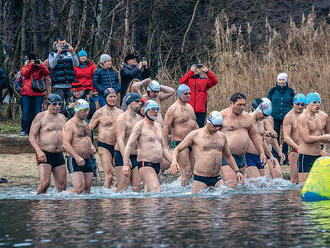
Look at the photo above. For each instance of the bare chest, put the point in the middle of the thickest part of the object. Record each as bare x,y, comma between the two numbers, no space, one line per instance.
52,125
315,125
150,135
81,131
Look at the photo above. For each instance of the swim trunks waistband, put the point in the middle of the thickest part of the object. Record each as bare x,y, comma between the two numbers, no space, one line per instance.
74,167
53,158
305,162
209,181
240,161
119,159
110,148
291,149
155,166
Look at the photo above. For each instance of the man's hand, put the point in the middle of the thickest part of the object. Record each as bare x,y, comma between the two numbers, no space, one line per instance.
71,105
263,158
240,177
204,68
125,170
41,156
282,157
193,68
144,63
174,167
93,150
60,50
70,49
80,161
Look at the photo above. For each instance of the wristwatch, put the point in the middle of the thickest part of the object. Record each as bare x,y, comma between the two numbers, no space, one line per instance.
238,171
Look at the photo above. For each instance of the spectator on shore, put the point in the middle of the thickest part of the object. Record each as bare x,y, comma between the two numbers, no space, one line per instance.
4,83
281,97
31,99
199,86
105,77
84,73
132,70
61,61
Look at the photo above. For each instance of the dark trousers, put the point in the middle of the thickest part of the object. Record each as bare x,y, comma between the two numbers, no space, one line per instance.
65,93
277,127
200,119
31,106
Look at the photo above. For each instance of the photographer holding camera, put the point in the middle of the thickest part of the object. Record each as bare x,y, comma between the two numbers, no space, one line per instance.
199,86
61,61
32,91
131,70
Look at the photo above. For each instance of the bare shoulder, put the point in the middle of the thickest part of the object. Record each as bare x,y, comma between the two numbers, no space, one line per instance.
40,116
171,109
119,111
224,112
69,124
98,113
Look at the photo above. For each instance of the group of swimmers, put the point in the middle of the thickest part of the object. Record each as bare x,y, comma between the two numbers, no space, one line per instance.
134,144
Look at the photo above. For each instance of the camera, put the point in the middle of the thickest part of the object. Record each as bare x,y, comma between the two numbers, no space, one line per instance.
198,66
65,47
143,59
37,62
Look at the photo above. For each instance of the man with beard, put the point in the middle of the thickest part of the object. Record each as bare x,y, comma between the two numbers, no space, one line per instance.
239,128
313,129
105,120
124,125
291,136
209,145
78,143
147,136
46,139
180,119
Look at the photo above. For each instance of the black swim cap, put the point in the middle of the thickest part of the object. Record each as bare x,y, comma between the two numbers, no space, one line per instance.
131,97
108,91
54,98
255,103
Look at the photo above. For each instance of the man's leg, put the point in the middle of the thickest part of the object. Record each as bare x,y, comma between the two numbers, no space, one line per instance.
293,159
252,172
185,167
88,182
197,187
78,181
275,169
150,178
45,171
136,180
228,176
122,180
106,162
59,173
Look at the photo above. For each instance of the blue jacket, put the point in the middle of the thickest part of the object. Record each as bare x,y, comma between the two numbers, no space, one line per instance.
282,100
105,78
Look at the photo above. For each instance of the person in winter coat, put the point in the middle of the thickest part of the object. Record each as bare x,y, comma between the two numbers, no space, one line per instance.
281,97
132,70
105,77
31,99
84,73
4,83
199,86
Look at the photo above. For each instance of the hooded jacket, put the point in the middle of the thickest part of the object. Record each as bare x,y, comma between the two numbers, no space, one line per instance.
282,100
84,75
198,86
30,72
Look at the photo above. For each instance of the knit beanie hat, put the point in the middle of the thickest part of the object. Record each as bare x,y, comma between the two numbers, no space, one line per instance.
82,53
105,57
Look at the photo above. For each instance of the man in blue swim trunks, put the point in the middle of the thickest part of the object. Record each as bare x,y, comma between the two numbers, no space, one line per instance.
147,136
314,130
208,146
180,119
78,143
104,120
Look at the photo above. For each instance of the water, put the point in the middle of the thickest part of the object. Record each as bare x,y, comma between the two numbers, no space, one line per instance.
266,213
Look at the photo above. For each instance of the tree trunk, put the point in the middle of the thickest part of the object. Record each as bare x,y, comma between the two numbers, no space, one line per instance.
23,28
126,34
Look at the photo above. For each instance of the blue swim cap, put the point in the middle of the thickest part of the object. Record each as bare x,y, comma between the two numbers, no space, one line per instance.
153,86
313,97
265,107
299,98
131,97
215,118
82,53
183,88
149,105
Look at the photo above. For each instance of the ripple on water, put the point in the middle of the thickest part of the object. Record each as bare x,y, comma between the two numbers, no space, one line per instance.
173,189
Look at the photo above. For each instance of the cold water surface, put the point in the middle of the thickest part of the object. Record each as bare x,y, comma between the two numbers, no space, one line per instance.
266,213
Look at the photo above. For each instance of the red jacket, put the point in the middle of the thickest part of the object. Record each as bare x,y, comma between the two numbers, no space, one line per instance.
30,72
199,87
84,76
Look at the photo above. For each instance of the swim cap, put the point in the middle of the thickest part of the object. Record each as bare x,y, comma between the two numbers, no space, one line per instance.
282,75
215,118
131,97
183,88
313,97
265,107
153,86
81,104
54,98
108,91
255,103
299,98
149,105
82,53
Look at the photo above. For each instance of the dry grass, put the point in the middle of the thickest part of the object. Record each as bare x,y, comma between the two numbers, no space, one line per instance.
302,52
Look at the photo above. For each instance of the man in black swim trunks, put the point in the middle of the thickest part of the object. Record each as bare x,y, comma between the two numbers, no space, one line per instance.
105,120
147,136
180,118
208,147
124,125
78,143
46,139
313,129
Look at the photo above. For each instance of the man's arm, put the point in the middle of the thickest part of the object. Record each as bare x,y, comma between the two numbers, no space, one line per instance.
287,129
169,118
211,79
95,120
187,141
53,59
165,92
120,133
304,133
257,142
75,60
136,86
166,152
34,131
67,134
186,77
